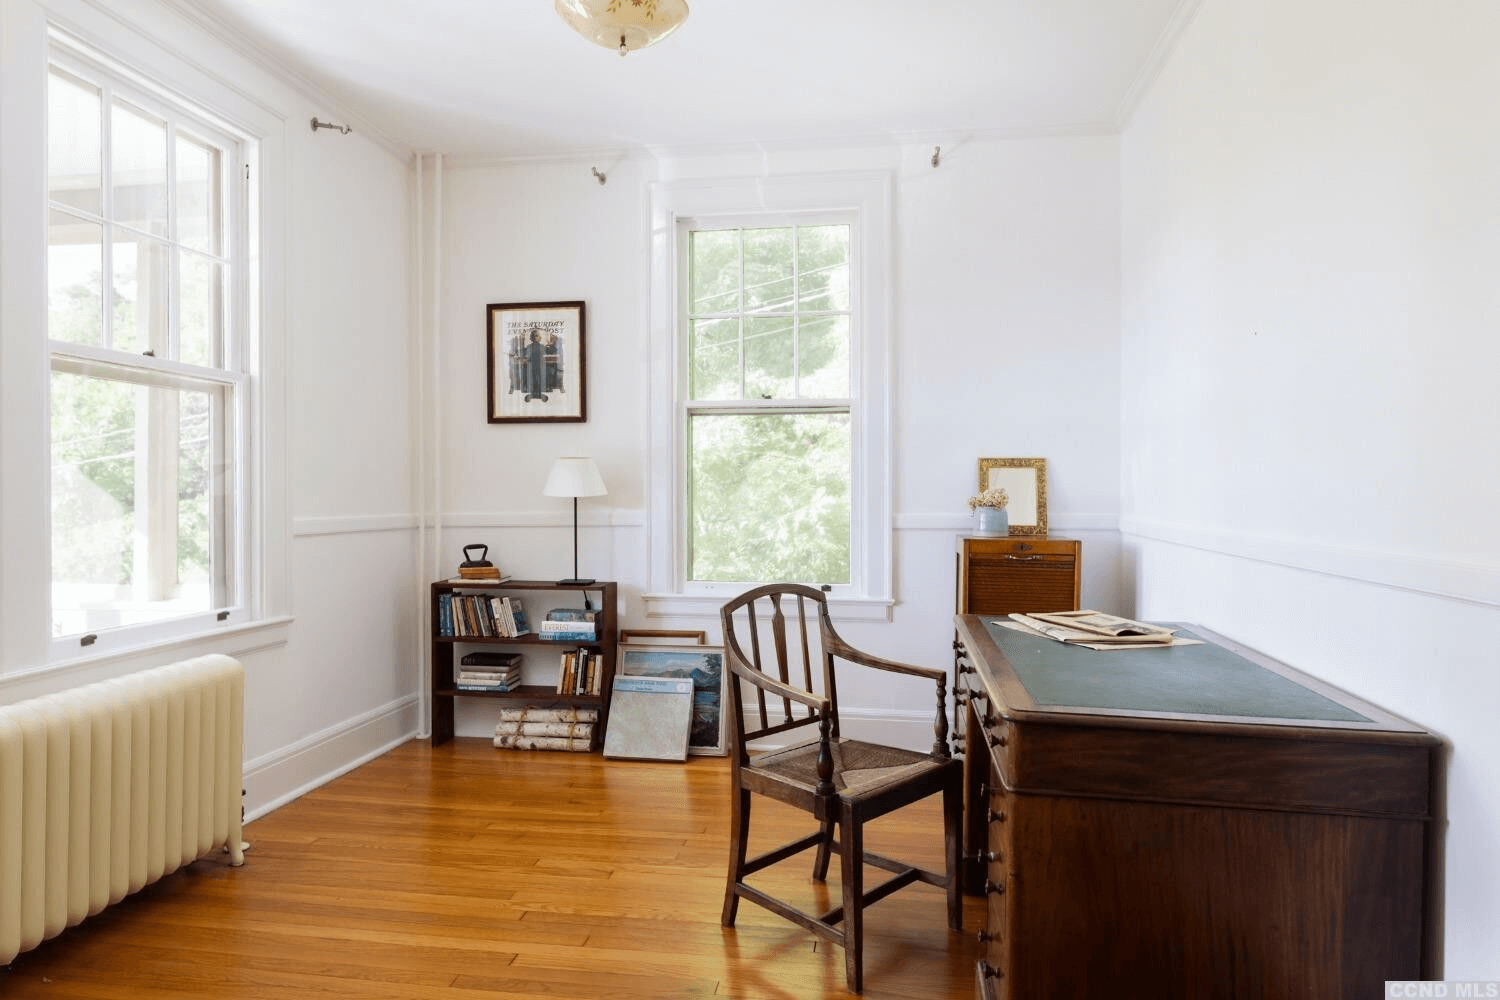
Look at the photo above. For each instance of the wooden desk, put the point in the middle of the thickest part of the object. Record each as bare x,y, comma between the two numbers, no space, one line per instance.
1189,823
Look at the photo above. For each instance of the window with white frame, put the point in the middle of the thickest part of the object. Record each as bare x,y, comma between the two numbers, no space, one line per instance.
767,430
146,276
770,455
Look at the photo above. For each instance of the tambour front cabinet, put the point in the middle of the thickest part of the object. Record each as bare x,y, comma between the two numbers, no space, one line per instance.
1190,822
1003,574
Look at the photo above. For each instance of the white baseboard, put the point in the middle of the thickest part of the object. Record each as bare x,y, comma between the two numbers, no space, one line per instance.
274,779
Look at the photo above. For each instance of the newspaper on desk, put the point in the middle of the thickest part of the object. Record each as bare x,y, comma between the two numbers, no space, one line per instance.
1096,630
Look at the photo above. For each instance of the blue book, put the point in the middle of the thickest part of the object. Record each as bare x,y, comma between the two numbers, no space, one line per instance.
567,636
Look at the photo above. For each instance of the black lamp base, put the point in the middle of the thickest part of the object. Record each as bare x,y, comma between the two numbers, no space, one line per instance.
574,583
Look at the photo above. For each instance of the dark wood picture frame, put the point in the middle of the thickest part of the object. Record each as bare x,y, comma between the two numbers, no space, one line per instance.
536,370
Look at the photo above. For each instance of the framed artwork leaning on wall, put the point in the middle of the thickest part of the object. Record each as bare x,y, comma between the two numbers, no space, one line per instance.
536,368
705,665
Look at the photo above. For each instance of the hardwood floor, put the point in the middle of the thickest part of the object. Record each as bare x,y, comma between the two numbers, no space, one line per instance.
473,873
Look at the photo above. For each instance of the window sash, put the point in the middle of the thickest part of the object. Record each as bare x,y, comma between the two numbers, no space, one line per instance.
203,348
691,579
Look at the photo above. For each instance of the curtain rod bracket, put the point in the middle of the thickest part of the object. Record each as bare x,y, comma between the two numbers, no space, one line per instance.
341,129
937,152
601,178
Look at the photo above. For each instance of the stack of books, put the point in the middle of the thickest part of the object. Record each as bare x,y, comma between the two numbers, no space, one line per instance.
488,672
570,625
536,727
480,574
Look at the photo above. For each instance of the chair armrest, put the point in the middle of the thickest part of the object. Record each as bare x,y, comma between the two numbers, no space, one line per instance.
848,652
772,686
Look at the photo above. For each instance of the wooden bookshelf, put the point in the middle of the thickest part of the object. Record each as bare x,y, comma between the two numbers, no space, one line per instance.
603,595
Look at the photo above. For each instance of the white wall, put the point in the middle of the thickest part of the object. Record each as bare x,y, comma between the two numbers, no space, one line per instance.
1310,418
335,675
1005,344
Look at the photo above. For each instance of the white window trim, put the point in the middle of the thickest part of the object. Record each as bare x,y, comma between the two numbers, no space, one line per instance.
868,196
26,30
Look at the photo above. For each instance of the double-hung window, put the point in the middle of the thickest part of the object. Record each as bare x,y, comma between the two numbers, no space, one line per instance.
146,279
767,431
770,417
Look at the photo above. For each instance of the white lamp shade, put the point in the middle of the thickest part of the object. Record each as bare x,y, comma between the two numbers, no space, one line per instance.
629,26
574,477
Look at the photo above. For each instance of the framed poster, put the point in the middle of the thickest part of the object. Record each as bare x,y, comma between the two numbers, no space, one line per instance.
705,665
1025,481
536,363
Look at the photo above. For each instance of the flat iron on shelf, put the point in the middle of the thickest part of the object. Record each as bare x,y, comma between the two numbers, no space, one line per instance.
478,567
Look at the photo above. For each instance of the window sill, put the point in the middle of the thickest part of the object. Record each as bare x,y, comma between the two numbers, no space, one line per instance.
705,606
232,640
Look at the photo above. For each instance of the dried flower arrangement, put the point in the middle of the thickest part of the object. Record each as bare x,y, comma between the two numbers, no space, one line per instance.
996,497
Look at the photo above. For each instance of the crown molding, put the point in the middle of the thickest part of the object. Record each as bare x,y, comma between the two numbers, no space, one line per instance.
1161,53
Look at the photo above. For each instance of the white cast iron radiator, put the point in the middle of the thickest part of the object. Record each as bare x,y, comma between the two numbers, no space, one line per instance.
106,788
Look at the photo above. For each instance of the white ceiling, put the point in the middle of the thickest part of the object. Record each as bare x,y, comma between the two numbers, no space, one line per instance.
509,78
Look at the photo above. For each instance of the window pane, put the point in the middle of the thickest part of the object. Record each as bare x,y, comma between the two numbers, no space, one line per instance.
769,497
198,202
200,312
137,502
74,163
823,267
714,262
768,269
138,174
770,358
75,260
715,350
139,295
823,358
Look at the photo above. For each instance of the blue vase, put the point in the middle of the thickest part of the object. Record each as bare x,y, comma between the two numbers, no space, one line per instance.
991,521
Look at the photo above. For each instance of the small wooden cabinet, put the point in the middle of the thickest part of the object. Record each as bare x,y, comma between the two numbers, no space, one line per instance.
1004,574
603,596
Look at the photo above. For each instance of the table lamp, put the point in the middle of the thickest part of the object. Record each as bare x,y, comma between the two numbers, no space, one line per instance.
574,477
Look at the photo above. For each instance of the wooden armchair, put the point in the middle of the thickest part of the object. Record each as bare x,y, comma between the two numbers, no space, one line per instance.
838,781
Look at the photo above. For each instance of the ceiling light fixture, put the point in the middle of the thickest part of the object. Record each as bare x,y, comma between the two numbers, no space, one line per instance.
623,25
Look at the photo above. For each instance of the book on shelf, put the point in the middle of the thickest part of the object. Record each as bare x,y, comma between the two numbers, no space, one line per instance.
479,577
589,615
486,688
488,659
565,625
509,678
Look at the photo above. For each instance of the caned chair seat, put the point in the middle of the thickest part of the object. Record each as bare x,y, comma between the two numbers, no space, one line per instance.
859,769
772,637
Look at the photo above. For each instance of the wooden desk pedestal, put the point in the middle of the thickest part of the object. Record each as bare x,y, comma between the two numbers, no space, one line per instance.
1132,852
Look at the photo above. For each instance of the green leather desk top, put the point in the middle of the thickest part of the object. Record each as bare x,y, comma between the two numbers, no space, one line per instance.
1197,680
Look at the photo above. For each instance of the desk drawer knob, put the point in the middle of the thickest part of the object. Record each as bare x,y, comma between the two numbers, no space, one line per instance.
993,888
997,816
988,971
995,739
985,937
988,857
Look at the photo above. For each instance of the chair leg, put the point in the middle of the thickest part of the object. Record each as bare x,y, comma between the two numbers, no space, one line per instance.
739,839
820,865
852,870
953,835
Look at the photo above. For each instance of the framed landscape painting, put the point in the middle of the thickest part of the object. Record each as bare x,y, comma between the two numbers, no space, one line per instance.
536,363
705,665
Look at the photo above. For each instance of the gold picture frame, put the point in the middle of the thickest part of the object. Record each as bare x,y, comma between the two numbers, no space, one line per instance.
1025,480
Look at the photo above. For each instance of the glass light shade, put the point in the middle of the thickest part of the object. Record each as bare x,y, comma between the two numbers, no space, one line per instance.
574,477
623,25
